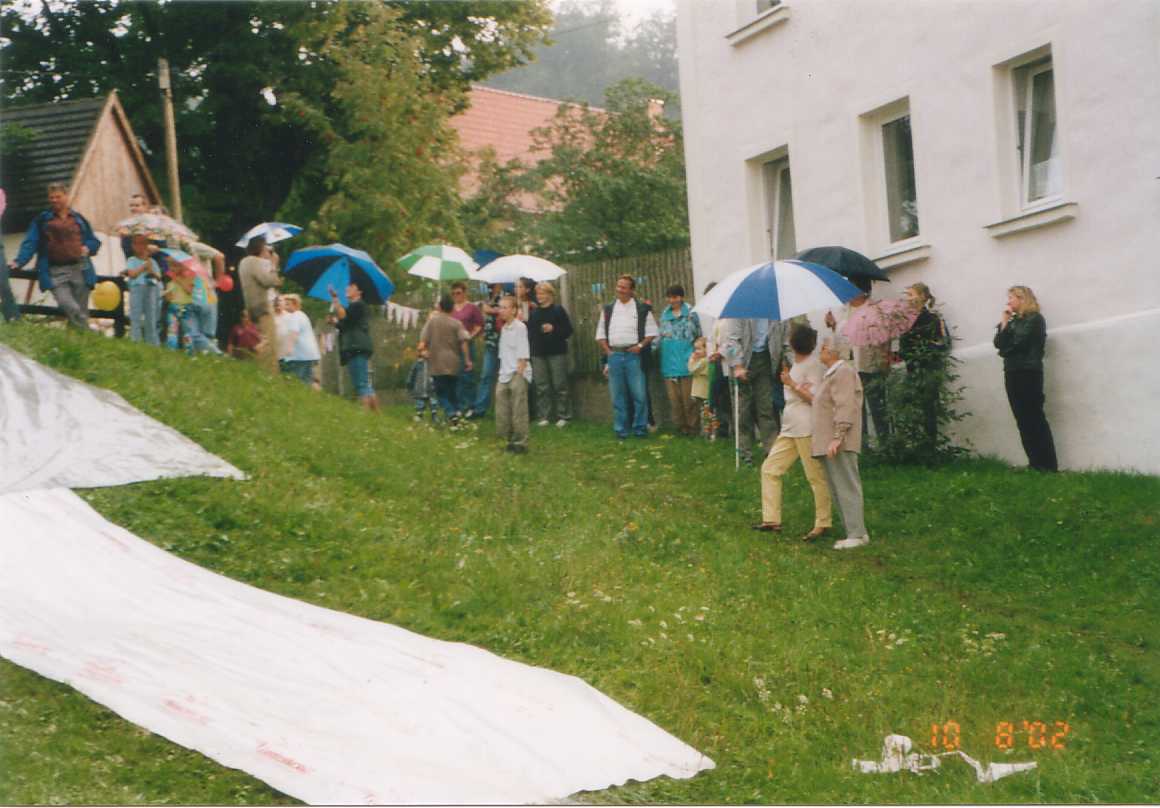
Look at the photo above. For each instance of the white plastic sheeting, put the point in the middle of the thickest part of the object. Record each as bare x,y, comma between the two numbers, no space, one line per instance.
56,431
323,706
897,757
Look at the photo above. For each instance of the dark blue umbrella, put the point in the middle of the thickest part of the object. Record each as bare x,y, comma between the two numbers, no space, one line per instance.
485,257
844,261
335,265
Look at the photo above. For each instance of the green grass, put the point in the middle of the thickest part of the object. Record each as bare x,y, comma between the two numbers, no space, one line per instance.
987,595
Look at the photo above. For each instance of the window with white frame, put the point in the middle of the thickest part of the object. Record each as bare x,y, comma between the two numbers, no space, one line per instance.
898,166
779,208
1037,137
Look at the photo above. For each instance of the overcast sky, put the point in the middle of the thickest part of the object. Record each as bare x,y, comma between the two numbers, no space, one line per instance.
634,10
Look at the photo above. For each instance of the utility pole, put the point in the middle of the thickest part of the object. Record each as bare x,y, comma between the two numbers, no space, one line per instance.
170,138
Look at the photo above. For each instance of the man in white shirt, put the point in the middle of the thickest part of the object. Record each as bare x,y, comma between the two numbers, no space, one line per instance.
300,355
511,389
626,328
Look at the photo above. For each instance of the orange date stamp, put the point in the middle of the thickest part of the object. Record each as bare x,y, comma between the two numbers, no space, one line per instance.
1008,734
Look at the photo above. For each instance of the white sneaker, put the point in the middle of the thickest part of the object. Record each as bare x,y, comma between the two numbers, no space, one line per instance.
561,423
849,544
542,423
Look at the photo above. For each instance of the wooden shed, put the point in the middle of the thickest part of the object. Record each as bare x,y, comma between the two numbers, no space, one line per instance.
90,146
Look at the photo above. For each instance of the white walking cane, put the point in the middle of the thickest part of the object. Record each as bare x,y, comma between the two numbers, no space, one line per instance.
736,427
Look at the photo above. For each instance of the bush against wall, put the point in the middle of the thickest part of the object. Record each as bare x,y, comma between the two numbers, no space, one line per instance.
923,405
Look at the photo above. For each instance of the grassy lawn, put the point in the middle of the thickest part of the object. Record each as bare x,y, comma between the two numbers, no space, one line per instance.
987,595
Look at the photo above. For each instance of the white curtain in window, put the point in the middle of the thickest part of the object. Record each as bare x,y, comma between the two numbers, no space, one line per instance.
1045,171
901,194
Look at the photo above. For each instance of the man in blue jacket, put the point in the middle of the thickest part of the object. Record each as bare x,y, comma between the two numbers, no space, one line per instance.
63,242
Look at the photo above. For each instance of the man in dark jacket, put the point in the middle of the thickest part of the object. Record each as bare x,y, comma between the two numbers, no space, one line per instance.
63,242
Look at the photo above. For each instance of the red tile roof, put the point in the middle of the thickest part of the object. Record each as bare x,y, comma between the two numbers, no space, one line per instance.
504,121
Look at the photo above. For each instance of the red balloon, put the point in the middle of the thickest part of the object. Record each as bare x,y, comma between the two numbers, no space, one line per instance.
225,283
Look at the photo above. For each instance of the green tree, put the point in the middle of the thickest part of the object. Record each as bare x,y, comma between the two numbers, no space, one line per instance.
613,183
494,216
388,179
240,155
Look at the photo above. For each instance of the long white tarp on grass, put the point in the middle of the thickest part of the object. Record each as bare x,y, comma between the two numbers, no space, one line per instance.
58,432
323,706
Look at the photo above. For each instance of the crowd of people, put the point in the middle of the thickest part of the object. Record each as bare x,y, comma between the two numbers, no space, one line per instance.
799,395
781,386
177,287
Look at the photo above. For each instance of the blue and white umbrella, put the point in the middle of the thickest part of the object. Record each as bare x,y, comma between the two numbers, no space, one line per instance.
321,268
777,290
273,232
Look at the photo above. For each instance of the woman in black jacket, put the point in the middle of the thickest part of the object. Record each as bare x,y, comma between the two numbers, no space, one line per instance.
1021,337
548,331
924,348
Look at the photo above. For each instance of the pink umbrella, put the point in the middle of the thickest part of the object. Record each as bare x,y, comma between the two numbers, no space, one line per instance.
878,321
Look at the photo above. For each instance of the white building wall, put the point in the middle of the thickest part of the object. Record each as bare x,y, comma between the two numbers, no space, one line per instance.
804,82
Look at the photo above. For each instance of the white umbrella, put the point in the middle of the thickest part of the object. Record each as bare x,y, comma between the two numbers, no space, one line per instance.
510,268
273,232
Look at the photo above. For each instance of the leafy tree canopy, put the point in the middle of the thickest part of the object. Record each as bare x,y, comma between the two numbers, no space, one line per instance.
613,183
388,179
242,156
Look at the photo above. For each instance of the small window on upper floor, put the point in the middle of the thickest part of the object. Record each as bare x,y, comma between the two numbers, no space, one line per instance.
901,194
779,208
1037,140
889,176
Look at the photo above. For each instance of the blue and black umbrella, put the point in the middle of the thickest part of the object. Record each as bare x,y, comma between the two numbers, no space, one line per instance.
336,265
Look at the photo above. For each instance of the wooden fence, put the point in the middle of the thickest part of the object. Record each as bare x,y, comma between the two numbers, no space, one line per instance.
587,287
117,315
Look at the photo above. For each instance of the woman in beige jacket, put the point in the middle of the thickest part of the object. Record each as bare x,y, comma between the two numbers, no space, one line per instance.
837,440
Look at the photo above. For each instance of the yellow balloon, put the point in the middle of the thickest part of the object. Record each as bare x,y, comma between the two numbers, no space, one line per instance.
106,296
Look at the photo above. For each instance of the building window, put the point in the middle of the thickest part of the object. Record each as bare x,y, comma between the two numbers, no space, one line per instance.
901,196
765,5
779,209
1037,139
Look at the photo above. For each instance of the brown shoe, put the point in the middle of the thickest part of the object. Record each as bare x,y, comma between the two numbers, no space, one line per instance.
767,527
816,533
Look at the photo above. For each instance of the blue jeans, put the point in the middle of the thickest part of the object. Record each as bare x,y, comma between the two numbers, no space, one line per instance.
359,367
145,313
487,379
465,383
626,381
200,322
445,389
301,369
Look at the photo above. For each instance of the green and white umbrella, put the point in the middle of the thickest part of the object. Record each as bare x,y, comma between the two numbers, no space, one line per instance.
439,262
